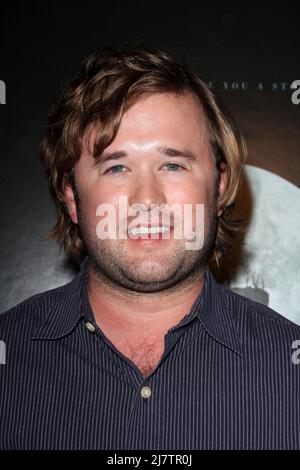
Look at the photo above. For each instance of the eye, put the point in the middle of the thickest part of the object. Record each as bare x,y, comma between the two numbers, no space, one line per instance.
175,166
114,169
117,169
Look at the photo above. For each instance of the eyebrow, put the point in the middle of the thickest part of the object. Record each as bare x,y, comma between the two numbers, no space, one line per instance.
163,149
188,154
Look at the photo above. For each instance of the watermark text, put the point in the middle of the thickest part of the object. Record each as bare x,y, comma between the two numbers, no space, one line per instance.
2,352
2,92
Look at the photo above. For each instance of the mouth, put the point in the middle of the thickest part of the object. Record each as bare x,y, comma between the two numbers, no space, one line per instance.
150,233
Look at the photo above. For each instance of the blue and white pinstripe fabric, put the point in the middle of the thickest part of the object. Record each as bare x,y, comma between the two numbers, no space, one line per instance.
226,379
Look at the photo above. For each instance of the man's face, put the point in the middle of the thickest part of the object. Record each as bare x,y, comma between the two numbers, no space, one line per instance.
161,156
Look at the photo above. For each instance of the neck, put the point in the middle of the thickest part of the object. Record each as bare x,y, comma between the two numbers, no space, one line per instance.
119,311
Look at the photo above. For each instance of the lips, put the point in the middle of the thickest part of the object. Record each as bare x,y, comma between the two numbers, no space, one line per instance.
149,233
148,230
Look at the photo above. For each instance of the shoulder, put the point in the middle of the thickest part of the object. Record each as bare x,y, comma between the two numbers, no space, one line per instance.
258,321
26,316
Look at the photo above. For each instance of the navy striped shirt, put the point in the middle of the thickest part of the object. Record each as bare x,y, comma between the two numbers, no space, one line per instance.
229,378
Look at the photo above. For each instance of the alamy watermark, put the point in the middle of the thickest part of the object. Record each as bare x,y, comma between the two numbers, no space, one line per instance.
2,352
163,221
2,92
296,94
296,353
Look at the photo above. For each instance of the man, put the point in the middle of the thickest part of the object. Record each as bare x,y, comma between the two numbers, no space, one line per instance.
143,349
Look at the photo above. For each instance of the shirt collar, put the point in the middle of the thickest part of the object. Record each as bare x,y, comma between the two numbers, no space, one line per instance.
70,306
217,316
210,307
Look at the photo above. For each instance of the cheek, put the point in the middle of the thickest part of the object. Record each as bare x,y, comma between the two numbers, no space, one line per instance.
197,202
96,205
198,192
89,202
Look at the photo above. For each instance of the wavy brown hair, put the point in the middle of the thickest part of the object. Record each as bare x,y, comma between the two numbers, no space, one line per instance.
108,83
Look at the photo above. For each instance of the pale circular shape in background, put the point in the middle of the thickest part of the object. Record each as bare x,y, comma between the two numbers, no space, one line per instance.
271,272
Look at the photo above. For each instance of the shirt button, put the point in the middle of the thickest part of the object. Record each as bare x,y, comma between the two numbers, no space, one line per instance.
89,326
146,392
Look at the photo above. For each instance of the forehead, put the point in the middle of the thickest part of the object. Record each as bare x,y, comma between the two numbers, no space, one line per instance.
164,117
165,110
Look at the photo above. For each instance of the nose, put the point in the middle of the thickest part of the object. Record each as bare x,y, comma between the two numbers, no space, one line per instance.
147,191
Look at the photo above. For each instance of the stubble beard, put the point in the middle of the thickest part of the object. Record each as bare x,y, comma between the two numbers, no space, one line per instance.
113,265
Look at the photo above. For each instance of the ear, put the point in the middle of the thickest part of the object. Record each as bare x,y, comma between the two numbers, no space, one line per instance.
222,182
70,199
